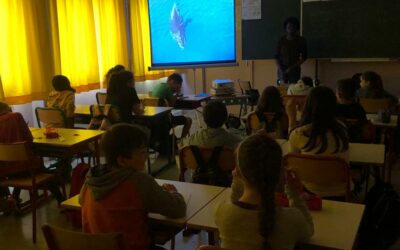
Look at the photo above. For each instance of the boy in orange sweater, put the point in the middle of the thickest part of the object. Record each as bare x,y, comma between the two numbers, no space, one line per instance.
118,196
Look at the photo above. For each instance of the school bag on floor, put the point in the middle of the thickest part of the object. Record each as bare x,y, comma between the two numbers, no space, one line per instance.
209,172
380,227
77,181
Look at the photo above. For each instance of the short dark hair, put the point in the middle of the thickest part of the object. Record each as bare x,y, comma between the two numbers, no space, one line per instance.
347,88
120,140
307,81
215,114
177,78
61,83
292,20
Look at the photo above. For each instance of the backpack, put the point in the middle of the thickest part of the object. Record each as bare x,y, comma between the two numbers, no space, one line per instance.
210,173
77,181
380,227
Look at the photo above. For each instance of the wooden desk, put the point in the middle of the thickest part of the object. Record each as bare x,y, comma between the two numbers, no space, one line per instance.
70,142
236,99
191,101
359,153
196,196
84,110
335,226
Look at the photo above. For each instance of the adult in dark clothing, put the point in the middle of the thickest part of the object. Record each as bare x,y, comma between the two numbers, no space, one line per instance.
291,52
121,93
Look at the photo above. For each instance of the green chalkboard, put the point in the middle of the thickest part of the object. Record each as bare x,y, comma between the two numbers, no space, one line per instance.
260,37
352,28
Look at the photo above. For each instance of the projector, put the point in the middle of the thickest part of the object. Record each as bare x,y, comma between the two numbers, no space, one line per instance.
222,87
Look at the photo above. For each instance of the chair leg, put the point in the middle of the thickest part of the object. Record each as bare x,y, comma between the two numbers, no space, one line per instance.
33,195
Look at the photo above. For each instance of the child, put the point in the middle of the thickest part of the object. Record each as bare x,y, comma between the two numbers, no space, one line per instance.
302,87
347,107
215,115
118,196
13,128
271,102
116,69
63,97
372,87
121,92
319,132
252,220
166,91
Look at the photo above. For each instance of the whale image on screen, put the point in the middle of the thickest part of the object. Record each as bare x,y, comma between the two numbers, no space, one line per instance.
190,32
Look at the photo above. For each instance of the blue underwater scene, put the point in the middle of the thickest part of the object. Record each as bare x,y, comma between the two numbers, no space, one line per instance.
192,31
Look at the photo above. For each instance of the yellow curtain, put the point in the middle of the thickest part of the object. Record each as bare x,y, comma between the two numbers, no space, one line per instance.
141,42
112,47
77,47
26,65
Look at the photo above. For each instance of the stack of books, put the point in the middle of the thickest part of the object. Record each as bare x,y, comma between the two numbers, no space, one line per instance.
222,87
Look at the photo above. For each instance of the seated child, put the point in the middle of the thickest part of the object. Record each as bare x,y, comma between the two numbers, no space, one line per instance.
63,97
117,197
215,115
13,128
347,107
252,219
372,87
271,102
302,87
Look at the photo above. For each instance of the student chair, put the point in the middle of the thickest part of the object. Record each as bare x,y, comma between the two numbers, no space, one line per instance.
283,89
361,131
374,105
187,159
101,98
300,101
51,117
324,171
61,239
253,124
12,155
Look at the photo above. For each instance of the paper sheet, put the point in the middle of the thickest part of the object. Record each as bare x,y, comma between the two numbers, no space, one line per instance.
251,9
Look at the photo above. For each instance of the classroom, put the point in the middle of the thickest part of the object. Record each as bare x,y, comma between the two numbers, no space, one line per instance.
201,125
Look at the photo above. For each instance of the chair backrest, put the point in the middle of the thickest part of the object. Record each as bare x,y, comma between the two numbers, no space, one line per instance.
253,123
283,90
361,131
151,101
187,159
61,239
300,100
103,116
50,117
374,105
101,98
14,151
324,171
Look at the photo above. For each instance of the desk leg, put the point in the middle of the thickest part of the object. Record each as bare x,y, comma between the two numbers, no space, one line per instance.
97,152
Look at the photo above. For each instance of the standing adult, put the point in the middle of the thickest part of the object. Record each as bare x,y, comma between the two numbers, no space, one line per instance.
291,52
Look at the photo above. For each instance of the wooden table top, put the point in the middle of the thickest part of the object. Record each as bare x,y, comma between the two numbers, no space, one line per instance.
84,109
196,196
67,137
335,226
359,153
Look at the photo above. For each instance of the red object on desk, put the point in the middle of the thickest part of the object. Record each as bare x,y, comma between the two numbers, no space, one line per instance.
51,133
313,202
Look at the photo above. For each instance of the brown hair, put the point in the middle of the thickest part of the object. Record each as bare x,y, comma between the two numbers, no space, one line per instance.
121,140
259,159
